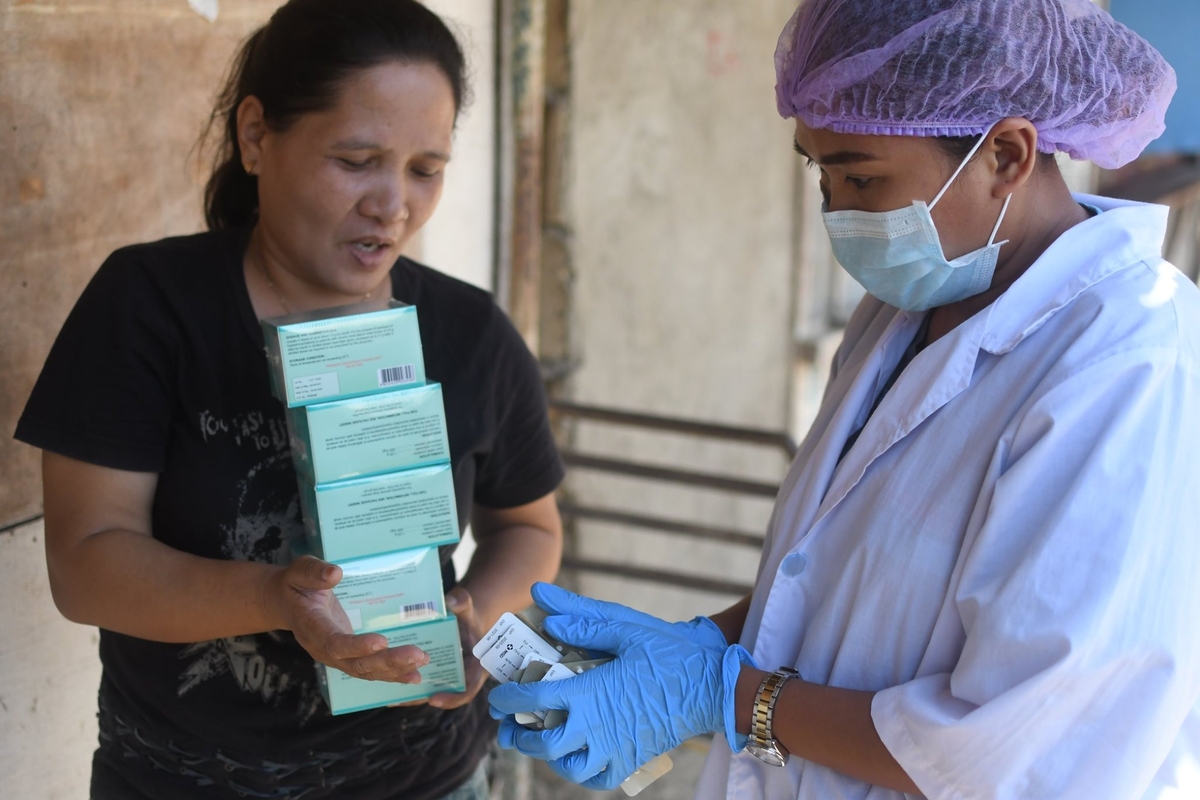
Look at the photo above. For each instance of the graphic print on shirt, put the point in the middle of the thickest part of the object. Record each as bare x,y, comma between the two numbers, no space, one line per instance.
239,657
254,428
262,532
266,523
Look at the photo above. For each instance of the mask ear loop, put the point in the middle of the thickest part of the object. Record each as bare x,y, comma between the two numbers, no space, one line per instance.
995,230
962,166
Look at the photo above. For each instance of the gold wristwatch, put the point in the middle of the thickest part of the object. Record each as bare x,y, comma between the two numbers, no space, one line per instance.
762,744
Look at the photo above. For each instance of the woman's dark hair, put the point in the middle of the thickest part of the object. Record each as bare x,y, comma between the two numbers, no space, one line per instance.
295,64
957,148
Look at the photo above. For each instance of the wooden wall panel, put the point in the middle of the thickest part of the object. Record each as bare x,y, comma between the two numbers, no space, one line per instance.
101,103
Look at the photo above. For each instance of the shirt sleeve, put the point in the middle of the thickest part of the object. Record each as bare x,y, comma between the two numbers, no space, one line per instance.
103,393
523,463
1078,600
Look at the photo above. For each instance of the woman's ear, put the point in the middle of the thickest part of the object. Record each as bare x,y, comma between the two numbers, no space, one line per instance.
1013,147
251,130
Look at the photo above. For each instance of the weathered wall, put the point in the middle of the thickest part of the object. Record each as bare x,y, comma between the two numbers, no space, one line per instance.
682,181
100,106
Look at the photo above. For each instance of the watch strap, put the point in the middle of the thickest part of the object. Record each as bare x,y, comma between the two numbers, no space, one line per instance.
763,713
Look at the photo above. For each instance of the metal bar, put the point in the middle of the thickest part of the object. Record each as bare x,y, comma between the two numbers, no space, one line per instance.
12,526
656,576
654,422
685,477
723,535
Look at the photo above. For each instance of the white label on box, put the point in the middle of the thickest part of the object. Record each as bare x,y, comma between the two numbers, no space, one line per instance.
355,615
314,387
394,376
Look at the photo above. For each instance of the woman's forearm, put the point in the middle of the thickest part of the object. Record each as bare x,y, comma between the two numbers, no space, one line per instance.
822,724
504,566
515,548
134,584
106,569
828,726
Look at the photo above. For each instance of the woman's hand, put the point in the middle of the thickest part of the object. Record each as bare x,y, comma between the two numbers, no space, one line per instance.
459,602
301,599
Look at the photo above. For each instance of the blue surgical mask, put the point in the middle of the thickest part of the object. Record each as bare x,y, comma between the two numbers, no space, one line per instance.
898,257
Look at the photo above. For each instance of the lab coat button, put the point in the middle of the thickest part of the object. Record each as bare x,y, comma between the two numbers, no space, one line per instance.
793,564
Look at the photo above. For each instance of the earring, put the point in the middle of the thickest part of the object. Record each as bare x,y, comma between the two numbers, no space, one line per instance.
249,167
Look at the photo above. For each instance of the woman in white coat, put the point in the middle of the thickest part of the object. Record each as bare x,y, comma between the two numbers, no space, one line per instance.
982,576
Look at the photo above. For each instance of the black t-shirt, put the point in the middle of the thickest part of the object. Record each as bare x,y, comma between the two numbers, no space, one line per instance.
160,368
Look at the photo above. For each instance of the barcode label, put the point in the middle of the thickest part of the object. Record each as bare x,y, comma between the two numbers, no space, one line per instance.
391,376
428,608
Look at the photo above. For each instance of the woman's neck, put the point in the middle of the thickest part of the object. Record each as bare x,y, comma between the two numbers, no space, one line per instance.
276,290
1049,212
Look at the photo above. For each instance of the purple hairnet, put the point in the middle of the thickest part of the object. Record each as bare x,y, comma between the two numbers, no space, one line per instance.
1092,87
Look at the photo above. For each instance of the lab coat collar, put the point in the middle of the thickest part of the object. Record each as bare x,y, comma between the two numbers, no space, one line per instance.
1126,233
917,395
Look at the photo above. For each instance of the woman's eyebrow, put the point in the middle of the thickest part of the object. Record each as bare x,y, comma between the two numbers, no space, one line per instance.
357,144
840,157
364,144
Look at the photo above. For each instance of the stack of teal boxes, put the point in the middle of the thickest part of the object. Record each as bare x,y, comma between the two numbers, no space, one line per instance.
368,438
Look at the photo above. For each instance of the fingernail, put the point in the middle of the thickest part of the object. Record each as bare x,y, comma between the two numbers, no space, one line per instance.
327,574
377,646
453,600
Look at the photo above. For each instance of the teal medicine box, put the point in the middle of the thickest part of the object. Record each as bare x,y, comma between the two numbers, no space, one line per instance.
370,435
335,353
444,672
380,514
392,590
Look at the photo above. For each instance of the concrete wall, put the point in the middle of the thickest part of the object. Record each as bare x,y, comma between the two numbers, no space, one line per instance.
101,103
682,211
48,678
460,238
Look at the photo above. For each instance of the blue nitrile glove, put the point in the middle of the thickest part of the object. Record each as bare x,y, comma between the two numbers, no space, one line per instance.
660,690
557,600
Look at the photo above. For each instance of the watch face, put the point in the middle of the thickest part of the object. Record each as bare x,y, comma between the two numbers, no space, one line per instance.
767,753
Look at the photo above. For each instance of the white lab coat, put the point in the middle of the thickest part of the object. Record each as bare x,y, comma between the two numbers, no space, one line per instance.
1010,554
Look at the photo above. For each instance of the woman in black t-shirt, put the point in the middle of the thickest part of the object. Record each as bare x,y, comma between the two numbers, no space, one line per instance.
169,493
